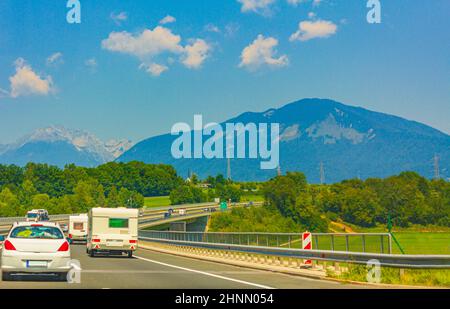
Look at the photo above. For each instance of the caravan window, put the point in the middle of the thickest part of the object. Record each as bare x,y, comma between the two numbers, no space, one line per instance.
118,223
78,226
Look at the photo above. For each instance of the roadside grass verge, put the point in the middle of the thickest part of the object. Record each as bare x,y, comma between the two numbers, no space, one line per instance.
389,275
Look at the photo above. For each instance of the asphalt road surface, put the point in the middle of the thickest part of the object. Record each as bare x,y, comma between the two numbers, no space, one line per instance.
153,270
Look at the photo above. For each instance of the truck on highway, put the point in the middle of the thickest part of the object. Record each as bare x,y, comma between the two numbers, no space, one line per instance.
78,227
112,231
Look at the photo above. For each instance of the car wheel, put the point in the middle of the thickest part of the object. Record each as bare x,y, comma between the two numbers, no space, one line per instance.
92,253
6,276
130,254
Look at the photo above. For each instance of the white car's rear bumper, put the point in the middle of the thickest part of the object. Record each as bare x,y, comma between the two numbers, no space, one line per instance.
16,261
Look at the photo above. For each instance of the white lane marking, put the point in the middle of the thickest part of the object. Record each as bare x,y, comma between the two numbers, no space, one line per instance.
205,273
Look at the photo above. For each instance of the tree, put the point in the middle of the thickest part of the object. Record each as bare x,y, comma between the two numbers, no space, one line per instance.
9,204
187,194
113,200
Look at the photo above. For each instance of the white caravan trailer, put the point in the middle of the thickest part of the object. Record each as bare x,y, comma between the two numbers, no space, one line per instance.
112,231
78,227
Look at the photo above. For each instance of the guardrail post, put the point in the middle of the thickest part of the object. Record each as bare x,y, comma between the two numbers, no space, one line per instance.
382,243
257,240
332,242
346,243
364,243
390,244
316,237
278,240
289,241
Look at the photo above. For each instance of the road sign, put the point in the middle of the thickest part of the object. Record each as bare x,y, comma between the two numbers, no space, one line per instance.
307,245
223,206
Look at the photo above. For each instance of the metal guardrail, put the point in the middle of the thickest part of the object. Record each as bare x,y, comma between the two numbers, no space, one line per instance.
351,242
6,220
389,260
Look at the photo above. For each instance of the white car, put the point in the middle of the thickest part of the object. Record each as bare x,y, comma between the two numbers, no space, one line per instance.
35,248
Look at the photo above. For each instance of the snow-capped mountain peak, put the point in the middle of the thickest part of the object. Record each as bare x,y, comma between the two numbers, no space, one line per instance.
81,142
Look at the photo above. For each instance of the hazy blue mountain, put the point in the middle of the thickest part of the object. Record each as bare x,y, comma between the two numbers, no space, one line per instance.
350,141
60,146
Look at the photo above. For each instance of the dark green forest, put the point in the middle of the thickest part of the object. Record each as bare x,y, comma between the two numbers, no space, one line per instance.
77,189
293,204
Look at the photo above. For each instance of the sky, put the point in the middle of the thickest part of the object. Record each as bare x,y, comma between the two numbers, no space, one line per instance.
131,69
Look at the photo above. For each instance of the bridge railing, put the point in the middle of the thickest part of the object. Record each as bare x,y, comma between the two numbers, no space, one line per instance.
354,242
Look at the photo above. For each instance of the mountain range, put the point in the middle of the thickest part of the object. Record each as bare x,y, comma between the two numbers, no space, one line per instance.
348,142
59,146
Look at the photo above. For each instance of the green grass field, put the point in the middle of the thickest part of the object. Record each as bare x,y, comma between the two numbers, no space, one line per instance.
411,242
156,201
423,242
252,197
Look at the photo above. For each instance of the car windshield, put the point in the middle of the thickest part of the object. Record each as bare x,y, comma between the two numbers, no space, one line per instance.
36,232
32,215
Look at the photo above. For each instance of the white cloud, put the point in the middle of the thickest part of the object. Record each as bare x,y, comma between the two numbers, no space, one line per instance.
91,64
148,43
167,20
295,2
308,30
231,29
196,54
119,18
312,15
3,93
212,28
256,6
151,44
262,52
154,68
55,59
26,82
317,2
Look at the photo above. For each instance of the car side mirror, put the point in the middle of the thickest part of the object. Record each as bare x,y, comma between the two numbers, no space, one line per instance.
69,240
2,238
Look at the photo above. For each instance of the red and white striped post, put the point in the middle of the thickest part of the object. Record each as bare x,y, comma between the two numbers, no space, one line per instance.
307,245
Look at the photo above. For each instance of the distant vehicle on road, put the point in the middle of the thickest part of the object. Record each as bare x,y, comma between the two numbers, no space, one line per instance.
112,231
32,216
212,209
44,214
182,212
36,215
35,248
171,211
78,227
167,215
64,227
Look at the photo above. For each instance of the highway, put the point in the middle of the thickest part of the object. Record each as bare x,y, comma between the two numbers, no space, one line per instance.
152,270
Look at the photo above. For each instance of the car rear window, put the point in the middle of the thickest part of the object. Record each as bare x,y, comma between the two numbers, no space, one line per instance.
36,232
118,223
32,215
